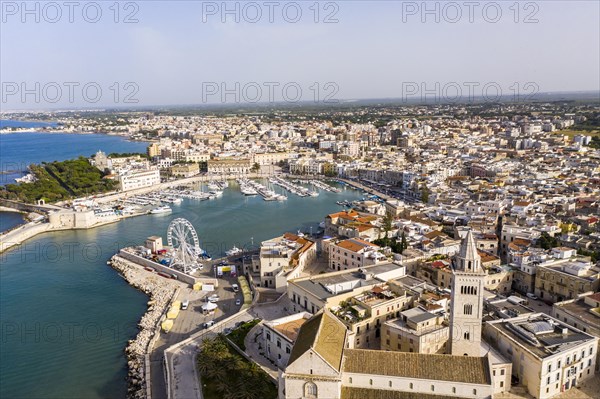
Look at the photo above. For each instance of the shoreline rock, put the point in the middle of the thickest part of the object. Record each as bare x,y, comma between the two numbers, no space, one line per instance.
160,292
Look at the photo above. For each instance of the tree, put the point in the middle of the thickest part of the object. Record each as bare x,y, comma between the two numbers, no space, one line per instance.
403,243
546,241
387,222
425,194
255,168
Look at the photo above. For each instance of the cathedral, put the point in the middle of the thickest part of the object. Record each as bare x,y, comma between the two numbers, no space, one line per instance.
322,365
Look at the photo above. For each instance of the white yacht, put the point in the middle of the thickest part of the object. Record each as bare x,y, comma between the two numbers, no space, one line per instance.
233,251
161,209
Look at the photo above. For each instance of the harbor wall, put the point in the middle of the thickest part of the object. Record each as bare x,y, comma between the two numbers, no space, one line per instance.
19,234
165,269
22,206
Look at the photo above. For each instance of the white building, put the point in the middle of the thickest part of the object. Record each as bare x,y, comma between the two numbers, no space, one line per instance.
548,356
139,179
353,253
279,336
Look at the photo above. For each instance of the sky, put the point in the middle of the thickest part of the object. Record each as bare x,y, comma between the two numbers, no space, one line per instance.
146,53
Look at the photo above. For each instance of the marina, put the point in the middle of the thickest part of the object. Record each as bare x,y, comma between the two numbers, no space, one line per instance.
84,290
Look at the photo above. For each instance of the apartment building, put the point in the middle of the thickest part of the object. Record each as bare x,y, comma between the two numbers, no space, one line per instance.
353,253
132,180
328,290
364,314
566,276
283,258
416,330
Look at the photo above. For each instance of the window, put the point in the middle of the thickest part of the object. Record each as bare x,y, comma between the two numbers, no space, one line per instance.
350,380
549,368
432,388
371,381
390,384
474,391
502,372
453,389
410,385
310,390
501,384
466,336
468,309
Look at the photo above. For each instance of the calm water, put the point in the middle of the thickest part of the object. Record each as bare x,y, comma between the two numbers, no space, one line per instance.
8,220
66,315
19,150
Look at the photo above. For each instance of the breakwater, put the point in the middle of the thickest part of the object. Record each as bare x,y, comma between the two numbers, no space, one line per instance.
161,292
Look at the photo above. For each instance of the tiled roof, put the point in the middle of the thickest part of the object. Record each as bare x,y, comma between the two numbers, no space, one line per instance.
326,335
355,244
473,370
366,393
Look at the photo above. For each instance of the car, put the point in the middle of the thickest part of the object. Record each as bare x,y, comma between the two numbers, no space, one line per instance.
185,304
227,331
530,295
213,298
209,324
238,302
235,287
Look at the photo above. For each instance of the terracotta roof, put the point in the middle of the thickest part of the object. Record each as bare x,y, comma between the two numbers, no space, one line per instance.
324,334
435,233
355,244
291,328
366,393
473,370
596,296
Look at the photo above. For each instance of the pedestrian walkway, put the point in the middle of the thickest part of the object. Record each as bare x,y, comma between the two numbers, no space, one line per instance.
253,349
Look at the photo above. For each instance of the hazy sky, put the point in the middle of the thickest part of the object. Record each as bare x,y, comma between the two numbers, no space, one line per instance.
183,53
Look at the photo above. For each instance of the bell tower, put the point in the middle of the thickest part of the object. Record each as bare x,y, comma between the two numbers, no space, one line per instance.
468,280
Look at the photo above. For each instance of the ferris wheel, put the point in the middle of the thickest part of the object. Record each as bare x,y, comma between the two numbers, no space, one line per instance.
182,238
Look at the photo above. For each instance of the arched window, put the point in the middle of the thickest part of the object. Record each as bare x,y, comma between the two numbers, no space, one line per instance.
310,390
466,336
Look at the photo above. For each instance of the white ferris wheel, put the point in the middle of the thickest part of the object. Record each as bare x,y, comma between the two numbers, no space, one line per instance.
182,238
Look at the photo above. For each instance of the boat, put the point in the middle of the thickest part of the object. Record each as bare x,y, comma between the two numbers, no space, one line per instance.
161,209
248,190
233,251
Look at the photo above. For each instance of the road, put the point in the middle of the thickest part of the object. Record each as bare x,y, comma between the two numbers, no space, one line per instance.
190,322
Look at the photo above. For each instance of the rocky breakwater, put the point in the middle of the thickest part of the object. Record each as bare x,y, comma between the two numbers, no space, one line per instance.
160,291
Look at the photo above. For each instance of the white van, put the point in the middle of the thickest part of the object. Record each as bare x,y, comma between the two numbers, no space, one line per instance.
235,287
185,304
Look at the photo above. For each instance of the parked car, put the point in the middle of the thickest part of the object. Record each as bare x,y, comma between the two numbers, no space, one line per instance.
209,324
238,302
235,287
530,295
213,298
185,304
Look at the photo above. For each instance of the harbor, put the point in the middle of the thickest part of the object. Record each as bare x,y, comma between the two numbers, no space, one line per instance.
72,265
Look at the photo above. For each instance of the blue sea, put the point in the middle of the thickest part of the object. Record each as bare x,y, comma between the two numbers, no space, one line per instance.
67,316
19,150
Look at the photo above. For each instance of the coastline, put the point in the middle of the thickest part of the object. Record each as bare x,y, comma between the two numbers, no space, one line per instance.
161,293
